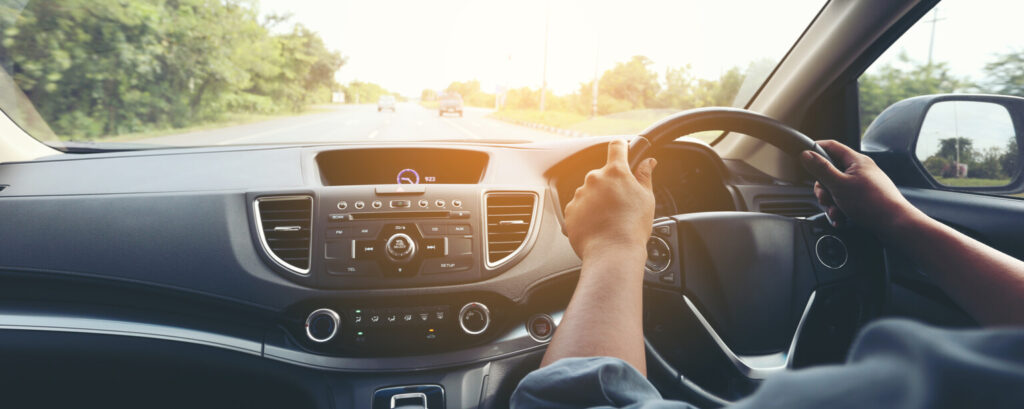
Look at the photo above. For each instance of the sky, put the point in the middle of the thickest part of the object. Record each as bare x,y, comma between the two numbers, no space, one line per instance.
407,46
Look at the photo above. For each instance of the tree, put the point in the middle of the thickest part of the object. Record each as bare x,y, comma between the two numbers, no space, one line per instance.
1005,75
949,148
428,95
891,84
632,81
1009,161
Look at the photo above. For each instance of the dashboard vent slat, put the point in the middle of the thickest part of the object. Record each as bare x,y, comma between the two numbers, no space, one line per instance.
509,217
285,224
790,208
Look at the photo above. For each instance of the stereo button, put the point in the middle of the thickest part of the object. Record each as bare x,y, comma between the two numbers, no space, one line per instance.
365,249
459,229
433,248
432,229
447,265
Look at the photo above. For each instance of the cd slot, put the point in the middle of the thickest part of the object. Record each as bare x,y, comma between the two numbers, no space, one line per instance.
400,215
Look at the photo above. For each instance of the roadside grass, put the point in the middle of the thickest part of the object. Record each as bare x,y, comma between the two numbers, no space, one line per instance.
972,182
622,123
225,121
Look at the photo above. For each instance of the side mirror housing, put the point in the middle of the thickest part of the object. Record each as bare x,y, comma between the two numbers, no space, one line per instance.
963,142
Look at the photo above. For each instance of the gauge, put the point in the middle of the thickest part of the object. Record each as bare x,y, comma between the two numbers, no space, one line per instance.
664,203
408,177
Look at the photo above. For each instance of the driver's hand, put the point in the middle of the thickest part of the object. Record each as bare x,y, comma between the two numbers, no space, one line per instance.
861,192
614,208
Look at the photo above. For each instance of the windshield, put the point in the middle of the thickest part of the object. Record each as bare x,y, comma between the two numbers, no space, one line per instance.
151,73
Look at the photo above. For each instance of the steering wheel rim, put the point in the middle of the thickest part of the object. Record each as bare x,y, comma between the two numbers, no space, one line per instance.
687,122
767,129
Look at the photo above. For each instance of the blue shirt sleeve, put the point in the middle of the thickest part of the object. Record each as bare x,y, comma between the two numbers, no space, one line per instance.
893,364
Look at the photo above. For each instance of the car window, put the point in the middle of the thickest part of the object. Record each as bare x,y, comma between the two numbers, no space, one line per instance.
960,46
208,72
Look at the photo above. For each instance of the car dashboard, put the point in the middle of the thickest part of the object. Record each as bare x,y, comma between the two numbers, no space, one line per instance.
433,263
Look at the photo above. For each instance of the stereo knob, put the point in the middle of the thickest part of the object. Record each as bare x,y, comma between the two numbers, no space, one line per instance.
322,325
400,247
474,318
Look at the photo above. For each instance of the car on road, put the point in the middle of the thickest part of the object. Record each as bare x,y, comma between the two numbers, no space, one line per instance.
449,102
386,102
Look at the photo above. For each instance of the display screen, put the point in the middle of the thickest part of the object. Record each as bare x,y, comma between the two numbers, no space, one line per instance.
400,166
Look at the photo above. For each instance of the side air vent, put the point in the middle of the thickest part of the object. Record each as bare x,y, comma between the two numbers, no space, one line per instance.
285,230
509,217
790,208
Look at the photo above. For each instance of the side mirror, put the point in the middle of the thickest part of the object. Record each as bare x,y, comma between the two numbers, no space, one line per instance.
962,142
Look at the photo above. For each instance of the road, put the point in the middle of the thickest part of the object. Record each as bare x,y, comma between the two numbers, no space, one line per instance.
359,122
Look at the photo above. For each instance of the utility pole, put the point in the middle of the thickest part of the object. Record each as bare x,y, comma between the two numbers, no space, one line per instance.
544,78
931,43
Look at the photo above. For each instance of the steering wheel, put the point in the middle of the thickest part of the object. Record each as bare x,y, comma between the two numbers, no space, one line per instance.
750,280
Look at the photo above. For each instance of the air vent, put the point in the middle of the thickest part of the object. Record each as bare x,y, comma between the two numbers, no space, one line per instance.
285,231
790,208
509,217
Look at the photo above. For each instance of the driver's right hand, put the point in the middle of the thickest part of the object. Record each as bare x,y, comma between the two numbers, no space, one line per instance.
860,192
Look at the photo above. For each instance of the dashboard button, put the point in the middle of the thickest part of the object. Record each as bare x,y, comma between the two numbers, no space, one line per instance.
400,247
400,270
400,204
364,249
458,246
424,203
432,229
459,229
337,250
540,327
456,203
474,318
362,231
447,265
459,214
376,204
399,228
322,325
337,217
336,232
342,205
348,268
439,203
433,247
359,204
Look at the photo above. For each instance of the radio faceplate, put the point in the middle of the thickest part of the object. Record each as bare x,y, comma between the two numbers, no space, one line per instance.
399,235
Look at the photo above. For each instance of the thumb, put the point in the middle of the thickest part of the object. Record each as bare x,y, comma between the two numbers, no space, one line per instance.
645,172
821,168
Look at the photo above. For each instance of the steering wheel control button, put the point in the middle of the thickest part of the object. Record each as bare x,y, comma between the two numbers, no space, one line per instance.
342,205
359,204
459,229
831,252
322,325
400,204
540,327
663,231
474,318
659,255
400,247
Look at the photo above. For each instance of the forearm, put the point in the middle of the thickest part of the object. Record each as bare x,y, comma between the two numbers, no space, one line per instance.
604,317
987,283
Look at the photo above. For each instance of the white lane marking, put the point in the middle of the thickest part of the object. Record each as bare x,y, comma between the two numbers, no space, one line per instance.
468,133
372,134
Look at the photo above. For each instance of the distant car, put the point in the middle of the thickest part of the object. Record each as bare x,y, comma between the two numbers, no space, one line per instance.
451,102
386,102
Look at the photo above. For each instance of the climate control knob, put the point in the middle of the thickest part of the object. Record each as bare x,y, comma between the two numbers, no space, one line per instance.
400,247
322,325
474,318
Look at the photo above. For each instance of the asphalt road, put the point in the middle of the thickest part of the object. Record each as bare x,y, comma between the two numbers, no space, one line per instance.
410,121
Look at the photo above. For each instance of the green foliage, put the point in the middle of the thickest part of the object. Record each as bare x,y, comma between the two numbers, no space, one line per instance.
632,81
994,163
1006,74
358,92
428,95
107,67
891,84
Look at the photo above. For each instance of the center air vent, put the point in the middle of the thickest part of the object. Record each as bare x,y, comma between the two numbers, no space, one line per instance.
509,217
790,208
285,230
